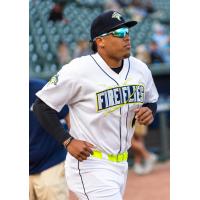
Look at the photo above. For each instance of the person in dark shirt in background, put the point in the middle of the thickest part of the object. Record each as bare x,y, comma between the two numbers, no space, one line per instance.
155,54
46,156
56,13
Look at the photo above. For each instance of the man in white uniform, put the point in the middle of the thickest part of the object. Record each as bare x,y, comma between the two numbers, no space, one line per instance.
105,92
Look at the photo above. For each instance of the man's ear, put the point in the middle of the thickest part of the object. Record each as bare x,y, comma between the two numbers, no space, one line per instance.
100,42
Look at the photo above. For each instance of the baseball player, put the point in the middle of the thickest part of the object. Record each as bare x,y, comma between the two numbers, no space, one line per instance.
106,92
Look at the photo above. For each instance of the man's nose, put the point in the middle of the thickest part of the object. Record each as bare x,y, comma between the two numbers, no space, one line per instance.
127,37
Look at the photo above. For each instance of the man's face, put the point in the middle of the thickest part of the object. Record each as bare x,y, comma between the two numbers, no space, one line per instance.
115,47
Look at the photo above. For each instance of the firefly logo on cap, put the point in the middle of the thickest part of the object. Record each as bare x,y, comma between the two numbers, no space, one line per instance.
116,15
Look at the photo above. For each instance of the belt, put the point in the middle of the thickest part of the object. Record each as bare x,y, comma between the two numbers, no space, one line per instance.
121,157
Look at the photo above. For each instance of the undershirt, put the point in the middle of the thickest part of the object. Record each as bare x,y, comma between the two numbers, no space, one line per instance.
118,69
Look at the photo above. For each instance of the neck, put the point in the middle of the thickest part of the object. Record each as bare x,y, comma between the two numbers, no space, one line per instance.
111,61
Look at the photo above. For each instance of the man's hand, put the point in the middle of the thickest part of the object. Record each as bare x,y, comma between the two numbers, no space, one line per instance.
80,149
144,116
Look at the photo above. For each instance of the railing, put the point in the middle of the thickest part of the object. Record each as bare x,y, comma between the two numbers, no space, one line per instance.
160,69
163,108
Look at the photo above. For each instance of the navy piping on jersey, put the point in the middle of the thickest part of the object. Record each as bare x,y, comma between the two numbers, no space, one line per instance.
128,104
104,71
82,180
117,84
127,125
120,128
128,68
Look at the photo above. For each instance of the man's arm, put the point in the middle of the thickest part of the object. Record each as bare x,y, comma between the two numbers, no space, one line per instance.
145,114
49,119
152,107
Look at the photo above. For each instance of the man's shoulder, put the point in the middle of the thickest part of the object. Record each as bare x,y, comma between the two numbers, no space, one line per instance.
82,59
138,64
78,62
77,67
136,61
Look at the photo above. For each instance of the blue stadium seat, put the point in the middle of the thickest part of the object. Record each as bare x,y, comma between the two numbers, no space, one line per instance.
44,34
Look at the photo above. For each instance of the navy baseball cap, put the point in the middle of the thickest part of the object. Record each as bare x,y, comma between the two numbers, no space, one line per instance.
108,21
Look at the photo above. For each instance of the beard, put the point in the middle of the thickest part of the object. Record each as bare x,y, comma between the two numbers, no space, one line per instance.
127,55
119,55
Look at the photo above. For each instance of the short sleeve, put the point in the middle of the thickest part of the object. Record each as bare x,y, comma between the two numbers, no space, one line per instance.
151,93
61,89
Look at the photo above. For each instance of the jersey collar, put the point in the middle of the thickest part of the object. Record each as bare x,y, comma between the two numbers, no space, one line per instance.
118,77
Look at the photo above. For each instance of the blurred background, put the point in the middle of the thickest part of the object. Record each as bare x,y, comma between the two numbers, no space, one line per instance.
60,31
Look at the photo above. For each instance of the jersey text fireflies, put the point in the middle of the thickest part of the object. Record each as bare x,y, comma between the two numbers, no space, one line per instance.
119,96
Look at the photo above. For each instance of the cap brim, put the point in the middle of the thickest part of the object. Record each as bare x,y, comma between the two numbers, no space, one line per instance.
127,24
130,23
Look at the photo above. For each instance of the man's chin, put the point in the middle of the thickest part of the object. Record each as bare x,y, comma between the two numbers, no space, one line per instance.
127,55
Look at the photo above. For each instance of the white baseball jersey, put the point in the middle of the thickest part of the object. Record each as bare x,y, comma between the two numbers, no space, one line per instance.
101,102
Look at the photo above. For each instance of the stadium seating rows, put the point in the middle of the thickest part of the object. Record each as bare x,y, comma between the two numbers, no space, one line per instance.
44,35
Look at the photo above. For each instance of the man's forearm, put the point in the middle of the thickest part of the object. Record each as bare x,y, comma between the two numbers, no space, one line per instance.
49,120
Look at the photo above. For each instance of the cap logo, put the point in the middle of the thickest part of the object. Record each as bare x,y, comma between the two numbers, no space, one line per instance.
116,15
